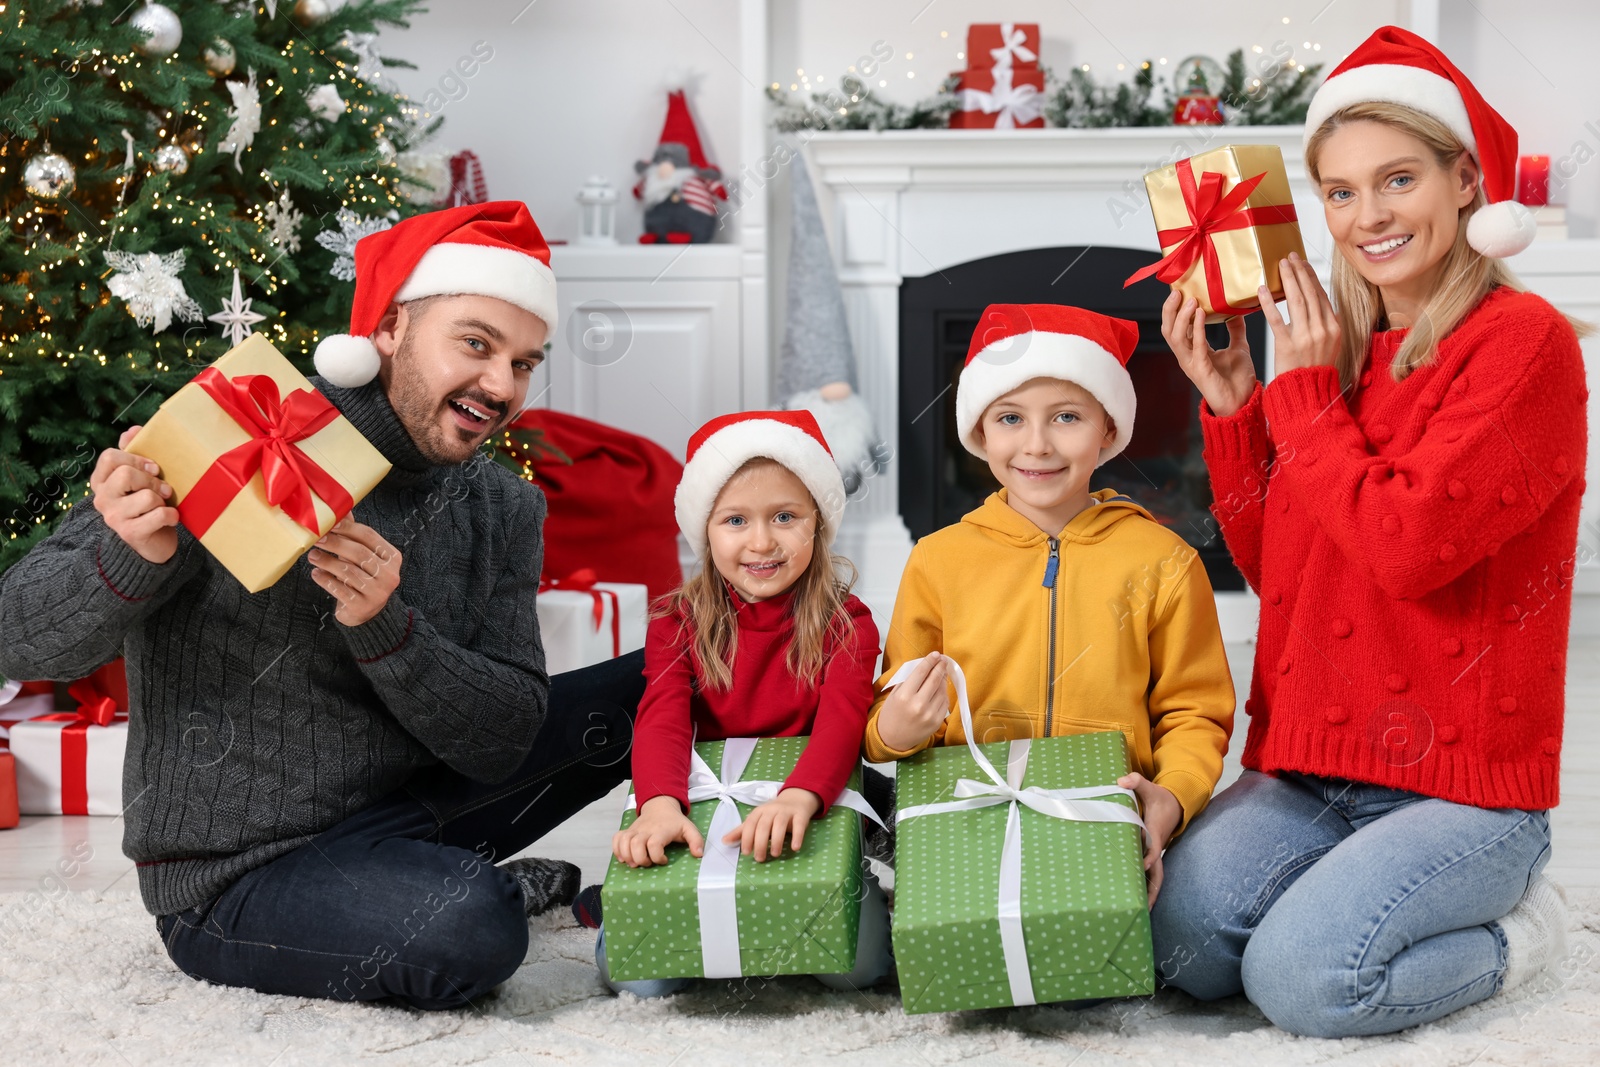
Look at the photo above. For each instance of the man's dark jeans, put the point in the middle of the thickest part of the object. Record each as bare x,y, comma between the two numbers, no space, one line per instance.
403,899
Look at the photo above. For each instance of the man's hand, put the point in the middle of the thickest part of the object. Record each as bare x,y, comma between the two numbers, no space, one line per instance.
1162,814
661,822
916,706
763,830
130,495
357,567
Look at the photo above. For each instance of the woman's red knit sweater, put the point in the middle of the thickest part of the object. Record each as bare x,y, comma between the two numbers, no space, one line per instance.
1414,546
765,700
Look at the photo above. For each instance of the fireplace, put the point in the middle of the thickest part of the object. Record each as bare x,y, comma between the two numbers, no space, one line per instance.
1162,468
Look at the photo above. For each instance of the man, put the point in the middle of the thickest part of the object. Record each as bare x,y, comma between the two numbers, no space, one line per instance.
321,775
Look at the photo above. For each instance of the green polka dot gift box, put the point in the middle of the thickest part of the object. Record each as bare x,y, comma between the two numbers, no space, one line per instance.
725,915
1010,886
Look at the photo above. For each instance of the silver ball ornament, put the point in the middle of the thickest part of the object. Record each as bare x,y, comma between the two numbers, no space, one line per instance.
161,24
49,176
170,159
220,57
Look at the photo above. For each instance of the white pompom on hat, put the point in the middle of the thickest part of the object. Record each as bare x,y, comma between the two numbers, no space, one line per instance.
1398,67
720,447
490,249
1016,343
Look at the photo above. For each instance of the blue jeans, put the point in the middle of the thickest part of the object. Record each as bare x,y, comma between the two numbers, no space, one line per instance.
1343,909
873,957
403,900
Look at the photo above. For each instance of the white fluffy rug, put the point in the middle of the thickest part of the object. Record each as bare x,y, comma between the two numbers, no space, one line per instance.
84,981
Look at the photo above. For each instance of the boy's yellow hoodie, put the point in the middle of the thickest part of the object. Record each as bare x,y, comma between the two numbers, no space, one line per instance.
1126,637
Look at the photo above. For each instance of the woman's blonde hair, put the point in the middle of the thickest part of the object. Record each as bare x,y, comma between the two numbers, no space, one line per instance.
1467,275
821,625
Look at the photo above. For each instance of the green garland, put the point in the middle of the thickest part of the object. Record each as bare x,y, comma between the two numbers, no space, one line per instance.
1280,98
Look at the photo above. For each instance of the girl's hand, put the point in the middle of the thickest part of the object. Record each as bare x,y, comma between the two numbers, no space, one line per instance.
1311,337
916,706
790,812
1162,814
661,822
1224,376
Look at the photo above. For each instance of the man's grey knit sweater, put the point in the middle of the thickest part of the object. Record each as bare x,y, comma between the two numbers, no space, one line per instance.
258,720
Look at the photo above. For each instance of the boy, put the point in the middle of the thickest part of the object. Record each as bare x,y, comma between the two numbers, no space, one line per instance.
1069,611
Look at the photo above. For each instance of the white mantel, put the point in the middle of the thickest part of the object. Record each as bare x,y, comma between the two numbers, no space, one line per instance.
906,203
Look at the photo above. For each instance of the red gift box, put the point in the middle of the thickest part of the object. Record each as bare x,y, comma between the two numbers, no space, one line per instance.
8,791
70,762
1003,44
999,99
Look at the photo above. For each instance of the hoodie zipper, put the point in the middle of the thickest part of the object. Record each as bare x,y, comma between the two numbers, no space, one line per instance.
1050,568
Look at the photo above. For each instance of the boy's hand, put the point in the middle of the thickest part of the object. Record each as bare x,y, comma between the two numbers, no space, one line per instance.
916,706
661,822
788,813
1162,814
130,495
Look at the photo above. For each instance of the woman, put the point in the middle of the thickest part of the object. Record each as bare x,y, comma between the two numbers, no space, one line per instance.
1404,496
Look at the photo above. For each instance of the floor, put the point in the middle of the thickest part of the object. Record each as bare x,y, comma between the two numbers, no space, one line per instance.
49,853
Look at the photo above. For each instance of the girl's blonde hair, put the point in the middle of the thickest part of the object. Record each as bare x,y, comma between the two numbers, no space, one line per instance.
821,625
1467,275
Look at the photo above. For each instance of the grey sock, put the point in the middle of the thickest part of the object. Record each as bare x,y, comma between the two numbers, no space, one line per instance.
545,883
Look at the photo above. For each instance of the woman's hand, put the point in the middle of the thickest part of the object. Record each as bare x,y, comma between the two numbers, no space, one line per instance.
785,815
1311,337
916,706
661,822
1224,376
1162,814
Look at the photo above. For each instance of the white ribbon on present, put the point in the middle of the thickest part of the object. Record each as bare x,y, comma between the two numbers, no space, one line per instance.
1018,105
1012,43
1070,804
714,887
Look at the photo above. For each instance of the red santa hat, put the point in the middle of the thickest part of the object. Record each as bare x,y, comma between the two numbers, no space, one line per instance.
679,128
491,249
1016,343
723,445
1396,66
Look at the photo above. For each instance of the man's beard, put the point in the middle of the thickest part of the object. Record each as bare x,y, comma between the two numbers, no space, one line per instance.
658,189
418,411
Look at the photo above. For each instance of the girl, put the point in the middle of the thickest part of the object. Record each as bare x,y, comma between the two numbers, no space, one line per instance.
765,641
1378,864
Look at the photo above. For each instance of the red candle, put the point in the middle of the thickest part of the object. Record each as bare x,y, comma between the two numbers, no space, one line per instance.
1533,180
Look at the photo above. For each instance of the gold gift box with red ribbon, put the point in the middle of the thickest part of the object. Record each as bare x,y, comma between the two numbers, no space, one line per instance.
261,464
1225,219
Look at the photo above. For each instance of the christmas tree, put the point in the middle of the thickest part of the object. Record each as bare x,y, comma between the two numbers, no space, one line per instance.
173,177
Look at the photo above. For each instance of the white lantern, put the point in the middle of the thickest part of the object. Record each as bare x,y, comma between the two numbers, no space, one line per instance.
598,207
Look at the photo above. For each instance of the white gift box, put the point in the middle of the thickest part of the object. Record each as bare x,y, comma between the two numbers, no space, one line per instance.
69,768
582,627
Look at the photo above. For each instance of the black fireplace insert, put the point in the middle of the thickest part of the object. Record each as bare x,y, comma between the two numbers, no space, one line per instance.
1162,467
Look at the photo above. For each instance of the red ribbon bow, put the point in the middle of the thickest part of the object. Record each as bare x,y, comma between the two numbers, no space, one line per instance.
583,581
1210,212
95,708
274,425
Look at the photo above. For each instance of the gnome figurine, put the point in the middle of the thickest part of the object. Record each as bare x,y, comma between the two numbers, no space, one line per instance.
677,185
816,366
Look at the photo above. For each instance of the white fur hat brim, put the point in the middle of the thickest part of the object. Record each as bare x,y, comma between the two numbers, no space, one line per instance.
451,269
997,370
724,452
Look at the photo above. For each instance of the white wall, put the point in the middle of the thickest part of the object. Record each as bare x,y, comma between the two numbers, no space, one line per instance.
575,87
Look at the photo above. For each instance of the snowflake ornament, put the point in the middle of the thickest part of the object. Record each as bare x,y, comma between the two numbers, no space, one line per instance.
236,318
151,286
368,65
325,102
342,242
245,115
284,219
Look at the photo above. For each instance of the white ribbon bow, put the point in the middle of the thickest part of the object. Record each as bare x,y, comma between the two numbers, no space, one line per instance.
1012,44
1071,804
1018,105
714,886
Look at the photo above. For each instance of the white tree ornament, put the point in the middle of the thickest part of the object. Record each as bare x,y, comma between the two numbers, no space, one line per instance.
245,114
342,242
369,65
325,102
151,286
284,219
236,318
